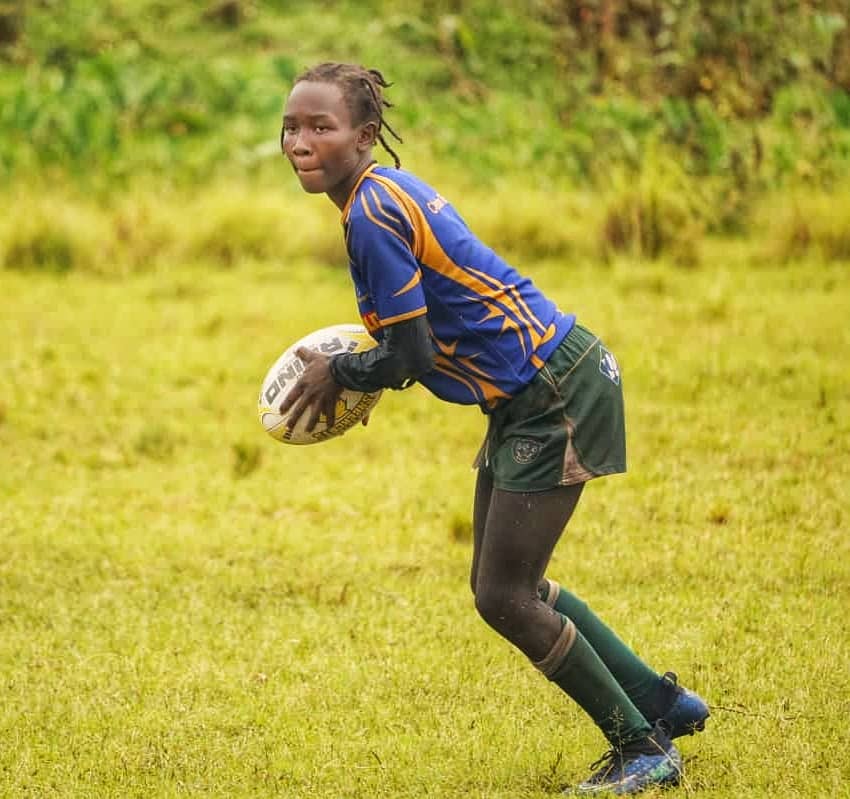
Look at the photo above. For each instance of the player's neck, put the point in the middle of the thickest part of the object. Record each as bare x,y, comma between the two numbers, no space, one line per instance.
340,195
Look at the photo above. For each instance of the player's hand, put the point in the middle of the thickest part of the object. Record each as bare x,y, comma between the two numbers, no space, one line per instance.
315,390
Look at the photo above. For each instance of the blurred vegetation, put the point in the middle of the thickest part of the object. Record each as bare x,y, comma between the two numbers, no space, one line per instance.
679,115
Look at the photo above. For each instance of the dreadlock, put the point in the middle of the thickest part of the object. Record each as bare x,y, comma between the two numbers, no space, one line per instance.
362,90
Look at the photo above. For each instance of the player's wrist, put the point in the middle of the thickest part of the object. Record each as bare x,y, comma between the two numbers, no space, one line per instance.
333,367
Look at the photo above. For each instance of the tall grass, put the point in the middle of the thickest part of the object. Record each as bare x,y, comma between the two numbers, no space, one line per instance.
661,215
806,224
659,211
147,230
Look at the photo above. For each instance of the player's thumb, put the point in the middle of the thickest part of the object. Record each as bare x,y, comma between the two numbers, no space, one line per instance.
305,354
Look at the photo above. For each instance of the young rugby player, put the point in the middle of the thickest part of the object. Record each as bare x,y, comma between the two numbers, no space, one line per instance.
451,314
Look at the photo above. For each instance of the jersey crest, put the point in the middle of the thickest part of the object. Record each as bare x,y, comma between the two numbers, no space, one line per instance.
608,365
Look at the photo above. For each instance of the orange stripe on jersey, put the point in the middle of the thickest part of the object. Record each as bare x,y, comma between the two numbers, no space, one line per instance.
371,321
438,367
404,204
347,207
514,293
447,349
510,324
375,220
414,281
383,211
484,387
391,320
521,300
537,361
494,312
550,331
467,362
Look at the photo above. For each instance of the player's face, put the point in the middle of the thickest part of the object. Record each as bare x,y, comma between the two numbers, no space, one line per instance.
327,151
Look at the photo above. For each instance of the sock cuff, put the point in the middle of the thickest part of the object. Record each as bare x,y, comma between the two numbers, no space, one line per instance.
559,651
553,590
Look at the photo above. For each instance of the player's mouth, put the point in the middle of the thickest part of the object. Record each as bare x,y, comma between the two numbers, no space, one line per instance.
312,179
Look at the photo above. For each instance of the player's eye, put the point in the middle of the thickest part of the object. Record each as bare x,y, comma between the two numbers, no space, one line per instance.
321,128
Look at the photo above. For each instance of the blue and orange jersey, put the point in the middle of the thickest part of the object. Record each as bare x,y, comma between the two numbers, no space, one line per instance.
411,254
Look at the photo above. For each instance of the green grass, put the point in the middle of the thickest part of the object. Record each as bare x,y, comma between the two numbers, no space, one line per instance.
188,608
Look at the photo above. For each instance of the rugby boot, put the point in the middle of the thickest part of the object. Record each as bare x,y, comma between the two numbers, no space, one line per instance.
649,762
688,712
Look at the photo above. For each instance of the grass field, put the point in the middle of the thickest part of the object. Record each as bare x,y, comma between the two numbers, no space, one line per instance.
189,609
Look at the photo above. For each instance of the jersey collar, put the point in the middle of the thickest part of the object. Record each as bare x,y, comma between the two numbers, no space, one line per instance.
363,176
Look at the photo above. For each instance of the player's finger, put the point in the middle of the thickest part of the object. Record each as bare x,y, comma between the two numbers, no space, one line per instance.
330,412
306,354
365,420
291,397
297,411
313,418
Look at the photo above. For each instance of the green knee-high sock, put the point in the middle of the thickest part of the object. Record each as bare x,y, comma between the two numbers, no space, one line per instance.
648,691
574,666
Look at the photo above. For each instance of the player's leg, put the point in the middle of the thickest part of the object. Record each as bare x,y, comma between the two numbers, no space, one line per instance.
480,507
565,428
520,533
656,696
589,388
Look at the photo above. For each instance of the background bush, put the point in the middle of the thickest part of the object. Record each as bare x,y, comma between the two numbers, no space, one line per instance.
543,99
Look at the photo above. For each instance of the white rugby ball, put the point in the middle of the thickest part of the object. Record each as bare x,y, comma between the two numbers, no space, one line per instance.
351,406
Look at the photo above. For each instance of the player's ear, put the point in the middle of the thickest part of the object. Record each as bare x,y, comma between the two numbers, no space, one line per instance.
367,135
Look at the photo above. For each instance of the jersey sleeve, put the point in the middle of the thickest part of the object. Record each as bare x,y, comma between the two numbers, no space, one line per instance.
380,243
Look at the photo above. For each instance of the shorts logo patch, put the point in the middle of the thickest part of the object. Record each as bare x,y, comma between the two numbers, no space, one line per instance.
525,450
608,365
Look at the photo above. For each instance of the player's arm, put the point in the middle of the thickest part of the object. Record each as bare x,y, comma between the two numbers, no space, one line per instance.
403,355
381,240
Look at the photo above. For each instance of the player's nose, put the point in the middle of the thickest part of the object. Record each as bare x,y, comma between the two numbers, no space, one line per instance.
301,145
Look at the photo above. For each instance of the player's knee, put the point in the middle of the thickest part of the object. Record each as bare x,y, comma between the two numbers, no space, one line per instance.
498,607
487,604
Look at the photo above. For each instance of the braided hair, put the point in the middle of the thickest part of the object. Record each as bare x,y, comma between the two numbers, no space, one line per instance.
362,90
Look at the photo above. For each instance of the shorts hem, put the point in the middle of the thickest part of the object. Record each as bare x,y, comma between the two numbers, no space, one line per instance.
524,488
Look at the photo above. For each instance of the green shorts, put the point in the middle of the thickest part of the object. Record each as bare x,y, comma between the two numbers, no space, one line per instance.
567,426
